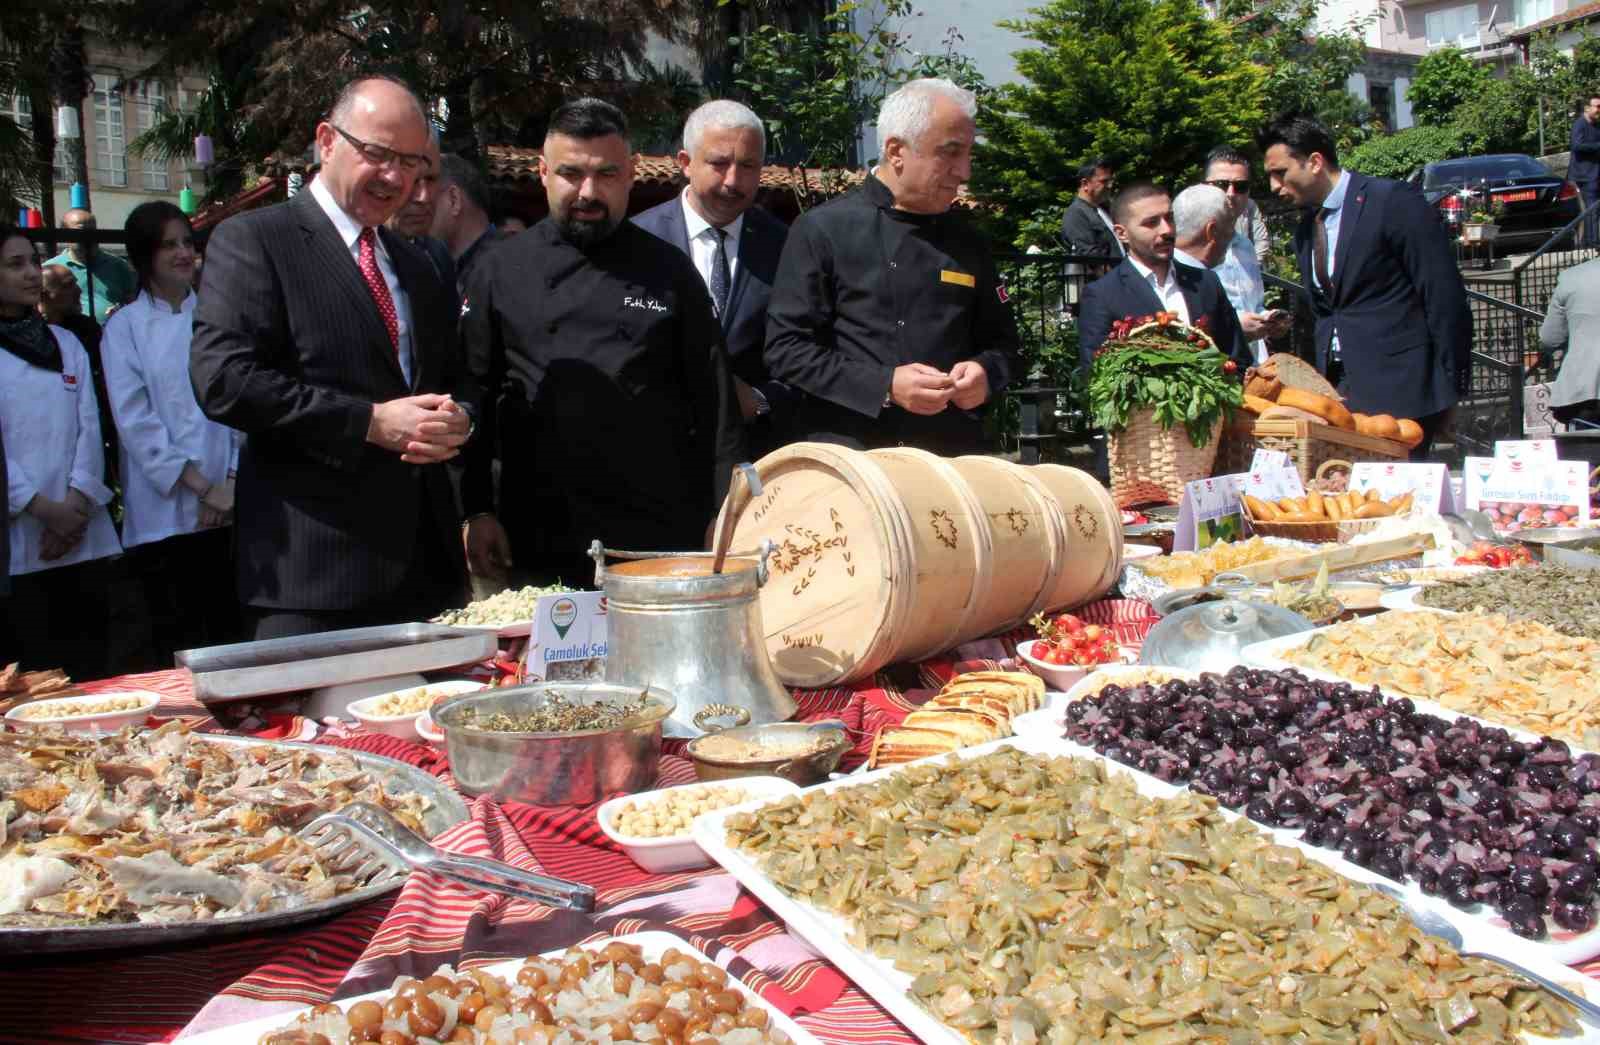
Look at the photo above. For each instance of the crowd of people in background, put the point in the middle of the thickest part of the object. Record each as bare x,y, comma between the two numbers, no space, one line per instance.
376,392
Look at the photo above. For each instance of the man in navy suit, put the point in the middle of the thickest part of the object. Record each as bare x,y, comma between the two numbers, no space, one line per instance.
1149,281
1392,327
1584,168
735,247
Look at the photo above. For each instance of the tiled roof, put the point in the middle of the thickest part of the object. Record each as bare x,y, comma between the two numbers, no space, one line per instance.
1581,13
511,164
268,190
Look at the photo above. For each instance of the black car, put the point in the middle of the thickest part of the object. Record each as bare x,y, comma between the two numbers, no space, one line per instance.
1536,203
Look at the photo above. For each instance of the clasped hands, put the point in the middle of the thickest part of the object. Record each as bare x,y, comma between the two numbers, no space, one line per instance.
921,389
423,429
65,522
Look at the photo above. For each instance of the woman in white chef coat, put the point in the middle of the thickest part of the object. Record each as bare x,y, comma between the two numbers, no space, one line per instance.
60,533
177,466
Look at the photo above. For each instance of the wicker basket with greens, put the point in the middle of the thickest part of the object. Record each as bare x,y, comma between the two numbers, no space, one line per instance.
1153,375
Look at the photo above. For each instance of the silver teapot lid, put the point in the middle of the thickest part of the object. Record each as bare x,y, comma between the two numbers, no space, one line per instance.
1208,636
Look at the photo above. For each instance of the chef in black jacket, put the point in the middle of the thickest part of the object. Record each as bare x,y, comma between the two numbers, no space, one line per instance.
618,417
887,311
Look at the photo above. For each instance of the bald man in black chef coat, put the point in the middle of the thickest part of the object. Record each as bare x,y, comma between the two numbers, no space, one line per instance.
617,416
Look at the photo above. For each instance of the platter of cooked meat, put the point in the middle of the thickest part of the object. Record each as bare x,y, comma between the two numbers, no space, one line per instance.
153,836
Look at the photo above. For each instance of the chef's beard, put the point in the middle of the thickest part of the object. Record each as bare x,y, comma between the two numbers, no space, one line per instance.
586,233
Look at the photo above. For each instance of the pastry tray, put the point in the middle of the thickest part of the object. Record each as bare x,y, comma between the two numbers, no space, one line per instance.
245,670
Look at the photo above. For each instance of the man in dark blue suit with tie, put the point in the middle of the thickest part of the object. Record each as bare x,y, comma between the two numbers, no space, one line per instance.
1149,281
1393,331
735,247
1583,170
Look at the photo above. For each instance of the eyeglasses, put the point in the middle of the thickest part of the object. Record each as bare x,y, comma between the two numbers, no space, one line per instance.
1241,186
382,155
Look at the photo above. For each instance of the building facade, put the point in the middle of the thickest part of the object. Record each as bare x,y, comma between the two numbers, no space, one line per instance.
118,111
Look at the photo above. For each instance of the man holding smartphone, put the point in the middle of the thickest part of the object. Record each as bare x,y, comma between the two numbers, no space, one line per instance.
1228,170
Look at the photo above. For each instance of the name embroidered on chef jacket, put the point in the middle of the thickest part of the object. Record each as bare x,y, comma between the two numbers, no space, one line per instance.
960,279
648,304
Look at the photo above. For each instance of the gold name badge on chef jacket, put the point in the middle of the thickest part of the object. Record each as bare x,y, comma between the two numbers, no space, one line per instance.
960,279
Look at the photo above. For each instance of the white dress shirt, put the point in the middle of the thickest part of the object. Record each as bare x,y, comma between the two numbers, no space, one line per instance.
1168,291
703,242
51,425
350,232
162,429
1111,226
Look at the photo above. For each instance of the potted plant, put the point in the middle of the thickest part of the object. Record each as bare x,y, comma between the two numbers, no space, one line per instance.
1161,390
1481,224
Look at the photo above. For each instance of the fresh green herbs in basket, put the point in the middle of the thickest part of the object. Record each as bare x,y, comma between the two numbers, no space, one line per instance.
1160,364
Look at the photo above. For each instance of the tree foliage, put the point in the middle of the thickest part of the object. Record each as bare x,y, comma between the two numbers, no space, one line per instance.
1150,86
499,66
1307,71
1444,79
1397,155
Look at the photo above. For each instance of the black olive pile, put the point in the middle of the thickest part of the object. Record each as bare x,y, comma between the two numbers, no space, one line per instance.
1466,810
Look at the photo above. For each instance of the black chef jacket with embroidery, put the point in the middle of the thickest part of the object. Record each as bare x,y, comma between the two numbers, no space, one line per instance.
863,288
615,415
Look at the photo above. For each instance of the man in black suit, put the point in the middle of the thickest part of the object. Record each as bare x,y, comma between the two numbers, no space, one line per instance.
1149,281
735,247
461,216
1086,227
1583,170
329,341
414,221
1393,330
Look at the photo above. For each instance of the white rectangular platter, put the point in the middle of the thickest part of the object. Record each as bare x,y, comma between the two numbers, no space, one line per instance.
1566,948
654,945
889,987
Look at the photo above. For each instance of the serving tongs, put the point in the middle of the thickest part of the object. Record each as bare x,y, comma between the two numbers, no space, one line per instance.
366,842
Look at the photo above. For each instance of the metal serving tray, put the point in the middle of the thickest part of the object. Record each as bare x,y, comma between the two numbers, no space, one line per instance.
245,670
446,811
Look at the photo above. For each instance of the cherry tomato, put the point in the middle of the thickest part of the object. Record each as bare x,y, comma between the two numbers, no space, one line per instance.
1093,632
1230,367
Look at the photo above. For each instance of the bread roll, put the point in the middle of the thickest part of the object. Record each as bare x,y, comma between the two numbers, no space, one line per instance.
1410,431
1319,406
1385,427
1339,417
1289,413
1265,387
1295,372
1256,404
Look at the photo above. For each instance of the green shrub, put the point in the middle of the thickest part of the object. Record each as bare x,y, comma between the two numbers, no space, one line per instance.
1397,155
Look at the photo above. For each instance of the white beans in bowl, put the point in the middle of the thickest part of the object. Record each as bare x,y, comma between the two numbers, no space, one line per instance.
673,813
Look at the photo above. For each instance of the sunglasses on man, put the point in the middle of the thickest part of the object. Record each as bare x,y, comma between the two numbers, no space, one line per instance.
382,155
1240,186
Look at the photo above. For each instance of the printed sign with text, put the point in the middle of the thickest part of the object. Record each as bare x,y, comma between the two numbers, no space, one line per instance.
1428,484
568,630
1210,513
1527,495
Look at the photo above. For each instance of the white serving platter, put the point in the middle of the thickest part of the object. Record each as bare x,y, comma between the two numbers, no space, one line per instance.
654,944
889,987
1050,718
74,719
1406,599
664,854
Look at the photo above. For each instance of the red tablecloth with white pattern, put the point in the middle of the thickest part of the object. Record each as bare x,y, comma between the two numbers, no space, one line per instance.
161,995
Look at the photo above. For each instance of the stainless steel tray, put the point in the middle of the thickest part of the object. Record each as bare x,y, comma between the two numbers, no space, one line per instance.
257,669
448,810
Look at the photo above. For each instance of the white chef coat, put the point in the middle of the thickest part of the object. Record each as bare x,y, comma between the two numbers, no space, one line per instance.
145,353
51,425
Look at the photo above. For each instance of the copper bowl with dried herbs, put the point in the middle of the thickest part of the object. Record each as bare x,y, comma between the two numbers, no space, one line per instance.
554,743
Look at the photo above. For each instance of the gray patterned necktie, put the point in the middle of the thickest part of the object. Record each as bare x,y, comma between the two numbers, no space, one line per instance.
721,281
